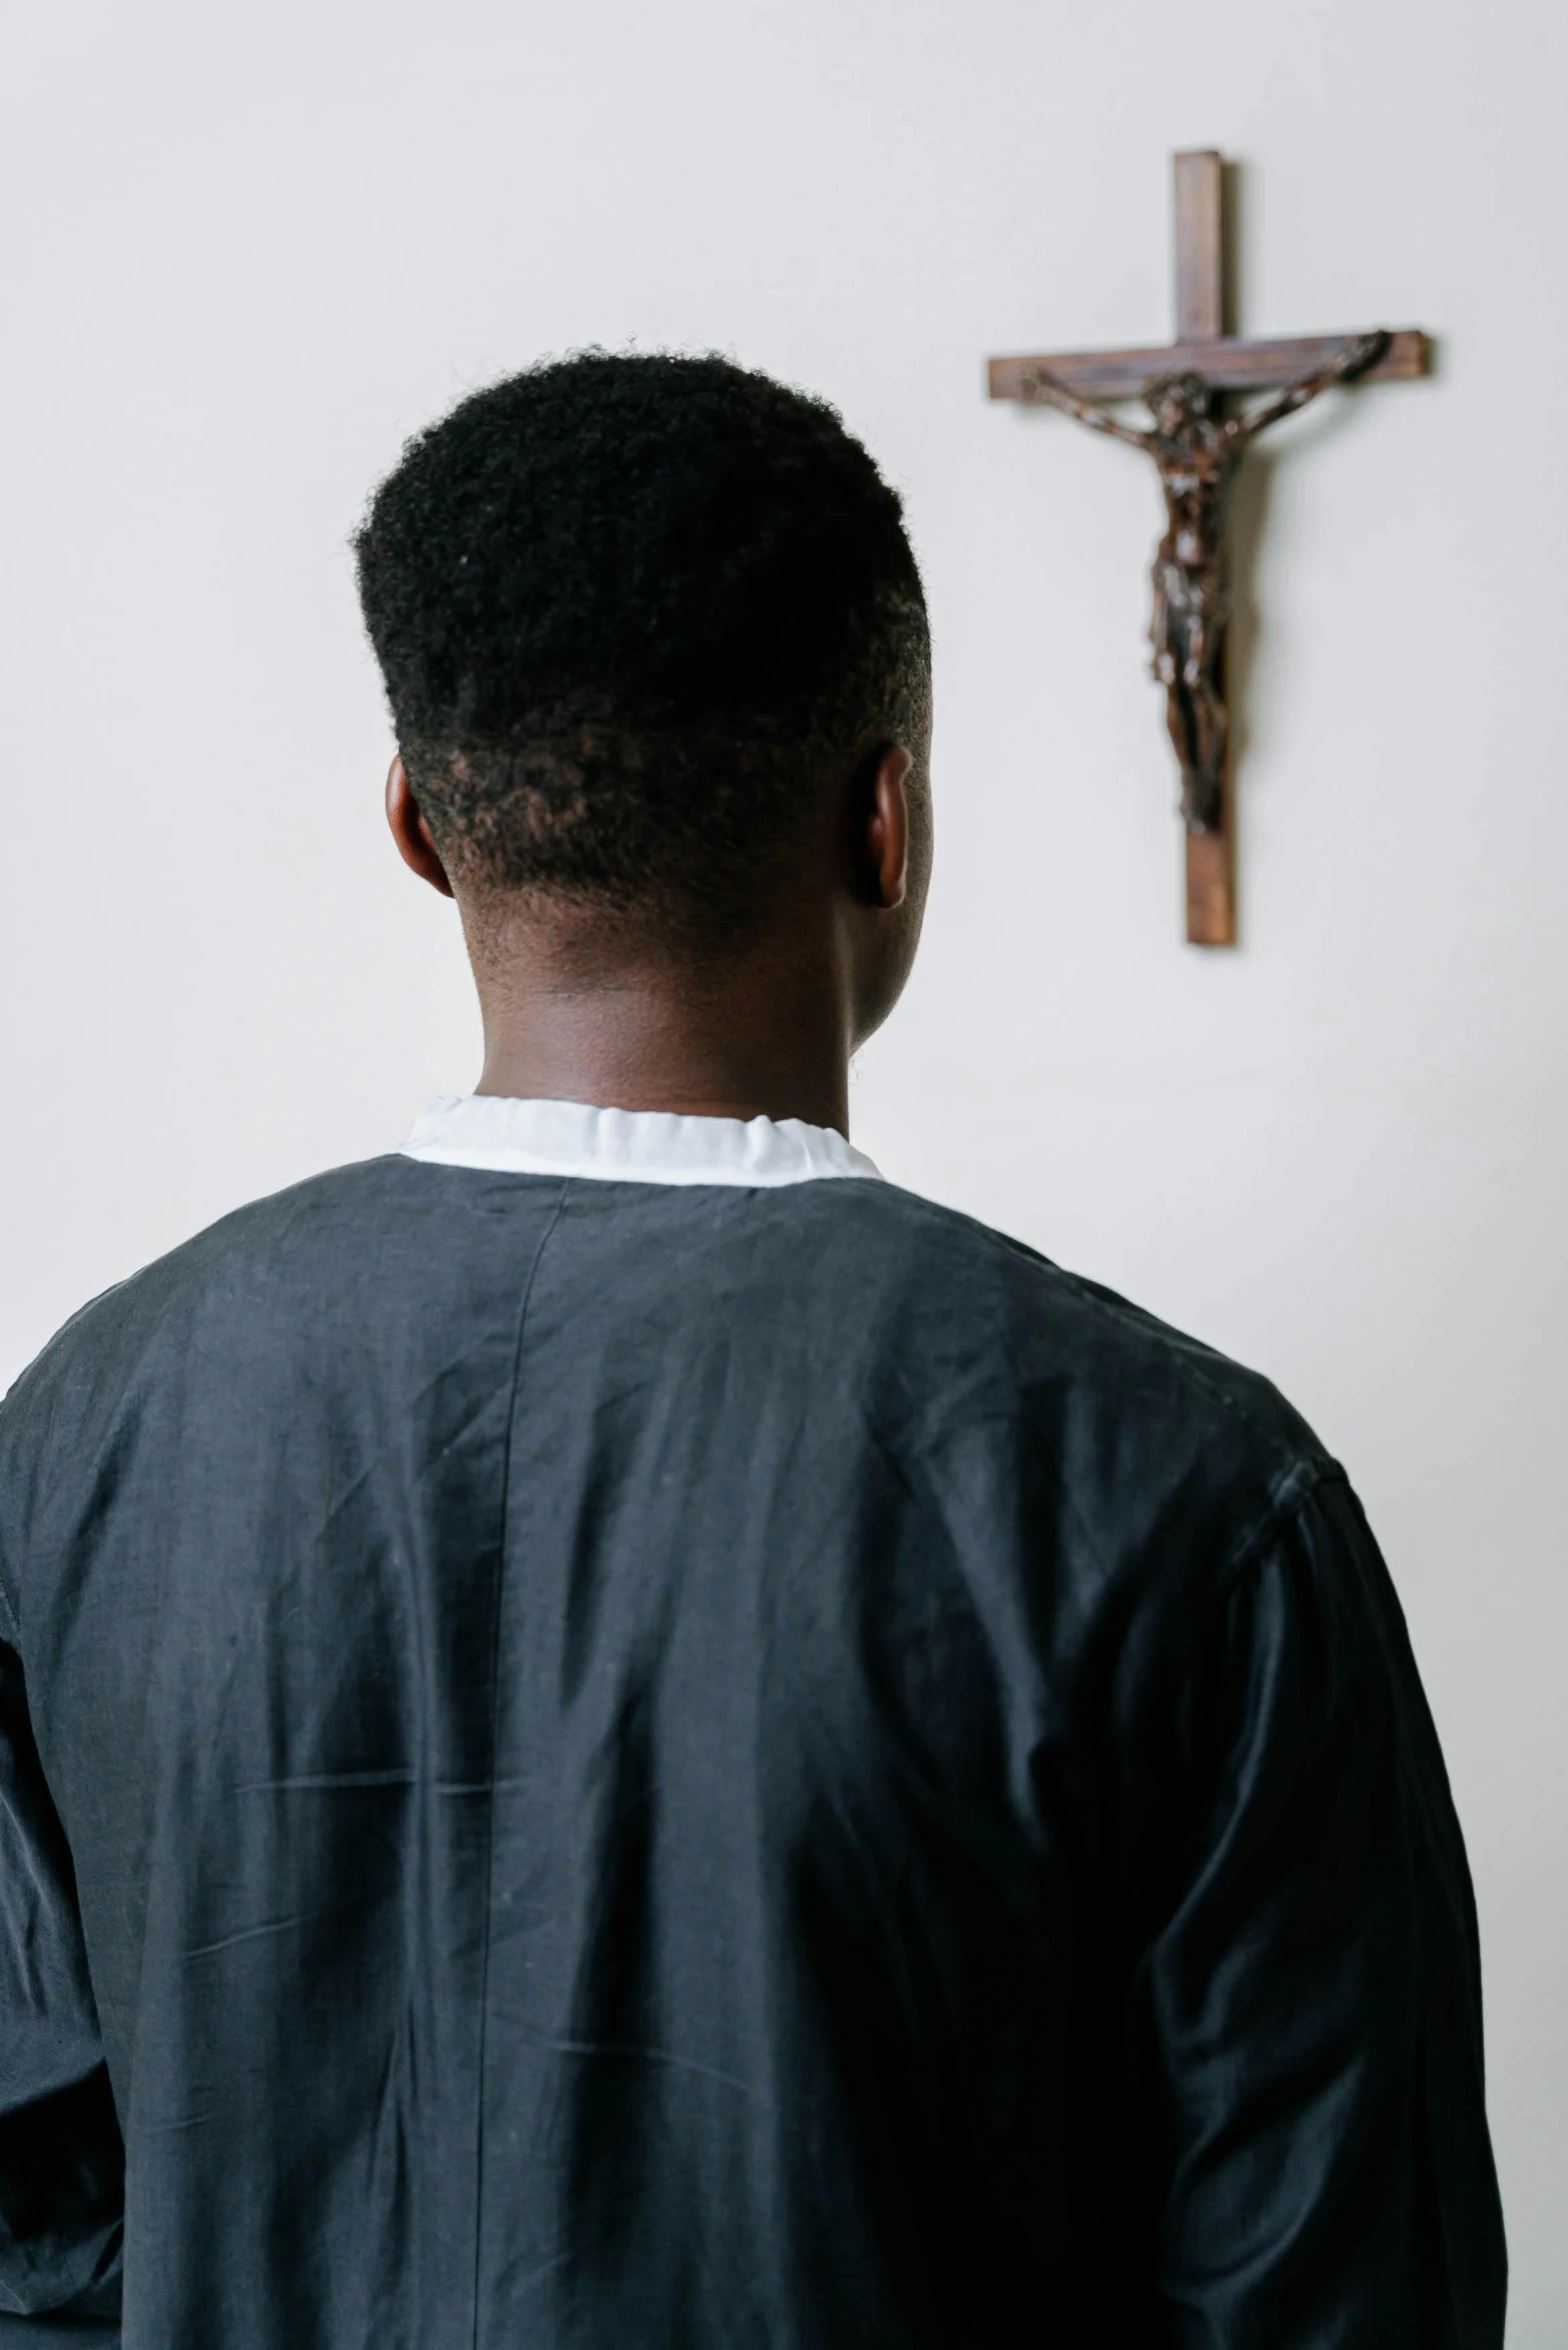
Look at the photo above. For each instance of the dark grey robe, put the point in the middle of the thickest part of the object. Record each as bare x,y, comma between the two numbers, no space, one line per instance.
618,1767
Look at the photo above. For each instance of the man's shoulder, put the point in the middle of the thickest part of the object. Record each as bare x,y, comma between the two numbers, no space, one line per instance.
239,1259
944,1325
1133,1402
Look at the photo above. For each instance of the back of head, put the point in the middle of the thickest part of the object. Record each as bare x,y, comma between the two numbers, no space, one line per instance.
634,615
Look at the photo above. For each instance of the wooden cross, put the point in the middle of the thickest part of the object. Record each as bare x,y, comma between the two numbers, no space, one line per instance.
1227,364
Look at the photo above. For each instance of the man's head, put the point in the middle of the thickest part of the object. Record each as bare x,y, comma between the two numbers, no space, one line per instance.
1178,401
647,625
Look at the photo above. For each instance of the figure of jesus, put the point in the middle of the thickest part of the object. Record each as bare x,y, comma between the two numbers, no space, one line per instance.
1199,455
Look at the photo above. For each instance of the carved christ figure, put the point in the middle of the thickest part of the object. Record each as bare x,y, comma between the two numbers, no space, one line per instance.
1199,454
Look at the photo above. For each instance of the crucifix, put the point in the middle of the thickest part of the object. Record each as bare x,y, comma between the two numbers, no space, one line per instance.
1198,448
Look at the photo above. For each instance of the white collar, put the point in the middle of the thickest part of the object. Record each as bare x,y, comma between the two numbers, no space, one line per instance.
627,1146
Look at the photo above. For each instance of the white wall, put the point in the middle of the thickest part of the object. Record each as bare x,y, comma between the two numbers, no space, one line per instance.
246,252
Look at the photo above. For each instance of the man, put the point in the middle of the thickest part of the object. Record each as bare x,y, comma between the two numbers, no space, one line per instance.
619,1736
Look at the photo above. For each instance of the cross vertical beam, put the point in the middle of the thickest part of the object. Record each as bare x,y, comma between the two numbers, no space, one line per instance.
1200,246
1200,318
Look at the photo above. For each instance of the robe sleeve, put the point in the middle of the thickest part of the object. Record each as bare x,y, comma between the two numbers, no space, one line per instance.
61,2160
1314,1998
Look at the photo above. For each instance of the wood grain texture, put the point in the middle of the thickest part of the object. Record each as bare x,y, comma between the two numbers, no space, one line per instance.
1200,246
1211,873
1231,363
1211,893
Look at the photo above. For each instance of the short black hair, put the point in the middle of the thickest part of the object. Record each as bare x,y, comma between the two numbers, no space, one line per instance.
632,611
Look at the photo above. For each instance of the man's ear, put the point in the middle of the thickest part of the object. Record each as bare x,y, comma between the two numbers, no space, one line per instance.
883,824
411,832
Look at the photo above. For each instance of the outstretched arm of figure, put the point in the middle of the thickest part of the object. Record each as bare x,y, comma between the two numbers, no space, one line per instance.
1354,357
1042,389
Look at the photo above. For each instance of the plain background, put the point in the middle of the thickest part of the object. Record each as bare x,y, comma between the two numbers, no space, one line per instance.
246,252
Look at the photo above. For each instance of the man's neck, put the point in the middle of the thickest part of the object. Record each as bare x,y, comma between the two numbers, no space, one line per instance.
759,1031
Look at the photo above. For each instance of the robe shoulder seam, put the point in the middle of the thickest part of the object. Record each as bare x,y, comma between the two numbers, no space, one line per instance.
1288,1498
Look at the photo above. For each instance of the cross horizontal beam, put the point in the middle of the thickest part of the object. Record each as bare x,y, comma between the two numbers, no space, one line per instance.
1230,364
